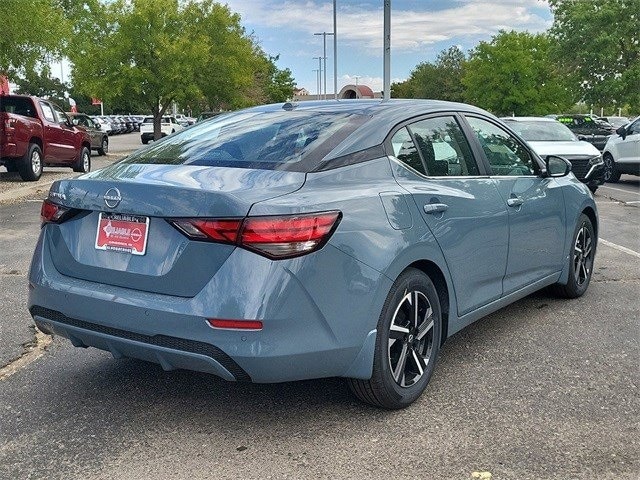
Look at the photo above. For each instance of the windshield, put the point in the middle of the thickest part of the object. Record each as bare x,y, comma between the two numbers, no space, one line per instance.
294,141
533,131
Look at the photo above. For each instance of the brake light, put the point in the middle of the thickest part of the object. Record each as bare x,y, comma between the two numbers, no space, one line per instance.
52,212
277,237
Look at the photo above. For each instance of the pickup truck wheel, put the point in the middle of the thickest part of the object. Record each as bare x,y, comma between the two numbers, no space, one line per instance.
104,149
83,164
30,168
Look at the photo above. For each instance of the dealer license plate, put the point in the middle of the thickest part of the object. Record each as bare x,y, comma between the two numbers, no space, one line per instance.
122,233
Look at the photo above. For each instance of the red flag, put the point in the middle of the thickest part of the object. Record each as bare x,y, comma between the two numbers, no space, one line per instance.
4,85
95,101
72,102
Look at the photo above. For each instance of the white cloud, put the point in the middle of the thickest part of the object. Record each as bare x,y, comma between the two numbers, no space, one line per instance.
361,26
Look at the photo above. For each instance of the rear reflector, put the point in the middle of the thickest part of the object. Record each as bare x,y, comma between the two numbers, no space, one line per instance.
281,236
235,324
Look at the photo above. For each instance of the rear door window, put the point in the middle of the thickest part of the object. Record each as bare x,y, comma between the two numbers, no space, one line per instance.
47,112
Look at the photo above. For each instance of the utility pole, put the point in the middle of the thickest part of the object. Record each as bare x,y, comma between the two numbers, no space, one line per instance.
324,50
319,76
335,52
357,77
386,86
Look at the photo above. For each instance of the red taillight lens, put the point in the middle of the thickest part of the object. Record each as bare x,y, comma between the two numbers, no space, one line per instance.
235,324
52,212
289,235
282,236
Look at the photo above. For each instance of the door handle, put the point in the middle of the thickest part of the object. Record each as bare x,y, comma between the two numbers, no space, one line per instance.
515,201
432,208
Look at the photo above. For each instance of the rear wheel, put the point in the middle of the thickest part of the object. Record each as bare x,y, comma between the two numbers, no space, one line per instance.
407,344
30,168
580,260
83,164
611,173
104,148
593,189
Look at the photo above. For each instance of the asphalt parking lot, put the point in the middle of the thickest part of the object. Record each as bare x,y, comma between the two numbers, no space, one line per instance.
543,389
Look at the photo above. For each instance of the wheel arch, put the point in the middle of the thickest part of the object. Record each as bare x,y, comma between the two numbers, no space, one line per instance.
590,212
433,271
37,141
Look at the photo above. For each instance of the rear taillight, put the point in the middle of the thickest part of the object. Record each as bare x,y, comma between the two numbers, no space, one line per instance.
10,123
282,236
235,324
54,213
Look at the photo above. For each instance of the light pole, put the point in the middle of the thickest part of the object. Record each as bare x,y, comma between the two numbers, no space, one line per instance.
319,76
386,85
335,53
324,50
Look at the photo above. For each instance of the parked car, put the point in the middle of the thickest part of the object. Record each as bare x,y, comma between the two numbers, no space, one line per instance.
622,152
326,239
588,128
35,132
184,120
99,139
549,137
168,126
616,122
104,125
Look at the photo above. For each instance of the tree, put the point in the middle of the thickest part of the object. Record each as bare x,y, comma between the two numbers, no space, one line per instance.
41,84
514,74
32,31
598,45
165,51
441,80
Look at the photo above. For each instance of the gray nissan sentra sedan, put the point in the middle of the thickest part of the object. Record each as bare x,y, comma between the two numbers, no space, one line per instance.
310,240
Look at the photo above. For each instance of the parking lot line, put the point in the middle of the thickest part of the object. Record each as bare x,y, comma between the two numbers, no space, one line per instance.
620,190
619,247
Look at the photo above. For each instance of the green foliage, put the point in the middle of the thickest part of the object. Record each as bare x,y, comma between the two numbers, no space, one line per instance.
441,80
514,74
41,84
30,32
154,53
598,45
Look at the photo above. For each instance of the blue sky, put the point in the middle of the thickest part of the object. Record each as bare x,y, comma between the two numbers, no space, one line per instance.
420,29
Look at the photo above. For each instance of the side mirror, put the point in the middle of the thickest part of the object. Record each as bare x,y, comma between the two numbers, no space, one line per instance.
557,166
622,131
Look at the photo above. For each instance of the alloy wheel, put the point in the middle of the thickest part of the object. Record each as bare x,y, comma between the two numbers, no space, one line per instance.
36,161
608,168
410,338
85,161
582,256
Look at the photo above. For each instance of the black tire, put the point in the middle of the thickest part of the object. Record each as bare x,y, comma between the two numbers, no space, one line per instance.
593,189
104,149
144,141
83,164
415,337
611,173
30,168
581,260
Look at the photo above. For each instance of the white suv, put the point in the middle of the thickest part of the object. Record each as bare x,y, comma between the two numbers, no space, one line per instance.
168,126
622,152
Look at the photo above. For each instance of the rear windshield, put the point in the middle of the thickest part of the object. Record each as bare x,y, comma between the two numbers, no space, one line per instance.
17,105
542,131
294,141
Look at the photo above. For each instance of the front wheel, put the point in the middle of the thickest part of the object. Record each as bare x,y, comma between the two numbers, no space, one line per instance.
580,260
104,147
611,173
30,168
83,164
407,344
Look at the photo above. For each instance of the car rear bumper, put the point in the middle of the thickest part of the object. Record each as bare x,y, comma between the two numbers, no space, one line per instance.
303,336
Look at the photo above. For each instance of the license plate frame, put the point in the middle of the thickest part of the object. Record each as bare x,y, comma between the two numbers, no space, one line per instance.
122,233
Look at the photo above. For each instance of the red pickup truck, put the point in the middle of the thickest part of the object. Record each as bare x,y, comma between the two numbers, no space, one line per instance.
35,132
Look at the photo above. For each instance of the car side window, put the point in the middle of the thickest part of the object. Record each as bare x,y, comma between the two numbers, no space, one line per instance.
505,154
634,128
405,150
444,148
47,112
62,118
